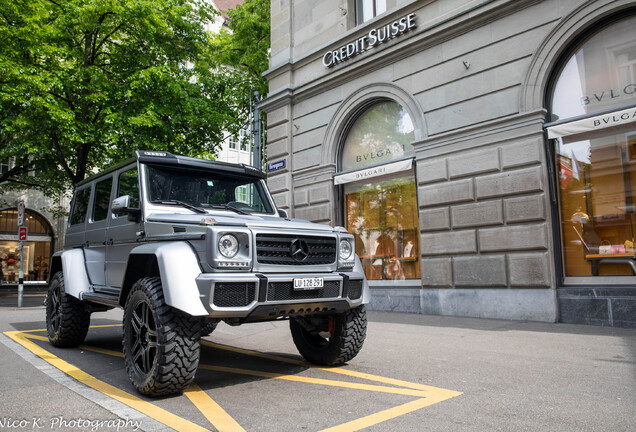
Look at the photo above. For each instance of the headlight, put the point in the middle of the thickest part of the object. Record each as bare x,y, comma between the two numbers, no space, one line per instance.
345,250
228,246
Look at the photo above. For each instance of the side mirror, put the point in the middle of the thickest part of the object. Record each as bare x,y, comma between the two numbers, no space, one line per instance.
121,205
282,213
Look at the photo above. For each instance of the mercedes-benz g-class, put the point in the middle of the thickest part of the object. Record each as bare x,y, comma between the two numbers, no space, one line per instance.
181,244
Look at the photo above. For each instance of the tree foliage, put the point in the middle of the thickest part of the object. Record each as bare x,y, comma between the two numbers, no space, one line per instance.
83,83
242,51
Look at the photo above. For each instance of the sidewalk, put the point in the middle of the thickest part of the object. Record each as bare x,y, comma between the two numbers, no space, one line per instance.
31,296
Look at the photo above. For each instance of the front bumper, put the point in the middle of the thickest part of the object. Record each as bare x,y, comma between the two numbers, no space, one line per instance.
249,297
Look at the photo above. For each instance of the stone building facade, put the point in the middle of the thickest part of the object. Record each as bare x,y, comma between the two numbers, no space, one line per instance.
480,151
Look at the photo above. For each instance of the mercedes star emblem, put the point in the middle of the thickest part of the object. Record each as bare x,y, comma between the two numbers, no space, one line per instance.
299,250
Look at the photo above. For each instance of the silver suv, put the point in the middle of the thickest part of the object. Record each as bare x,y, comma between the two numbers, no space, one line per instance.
181,244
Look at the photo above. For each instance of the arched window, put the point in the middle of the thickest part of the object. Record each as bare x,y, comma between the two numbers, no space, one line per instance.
36,249
382,133
593,130
379,191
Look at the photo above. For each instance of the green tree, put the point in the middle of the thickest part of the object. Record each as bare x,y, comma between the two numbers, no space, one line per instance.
83,83
242,52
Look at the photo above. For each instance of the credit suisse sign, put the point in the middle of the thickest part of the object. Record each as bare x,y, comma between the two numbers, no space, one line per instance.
372,39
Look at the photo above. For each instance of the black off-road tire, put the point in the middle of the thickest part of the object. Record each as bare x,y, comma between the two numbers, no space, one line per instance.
208,327
161,344
346,333
67,318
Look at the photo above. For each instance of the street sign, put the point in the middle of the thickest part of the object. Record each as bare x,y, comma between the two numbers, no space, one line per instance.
22,233
21,209
273,166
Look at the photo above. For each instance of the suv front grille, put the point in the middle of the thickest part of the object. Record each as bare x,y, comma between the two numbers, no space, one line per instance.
295,250
234,294
280,291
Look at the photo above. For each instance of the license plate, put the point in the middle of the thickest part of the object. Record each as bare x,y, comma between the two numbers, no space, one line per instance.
308,283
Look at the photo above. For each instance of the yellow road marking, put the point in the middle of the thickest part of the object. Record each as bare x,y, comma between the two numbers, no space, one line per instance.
307,380
433,391
212,410
385,415
320,381
219,418
147,408
94,326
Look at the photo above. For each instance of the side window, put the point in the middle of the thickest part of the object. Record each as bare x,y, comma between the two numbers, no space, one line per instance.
102,199
80,207
129,185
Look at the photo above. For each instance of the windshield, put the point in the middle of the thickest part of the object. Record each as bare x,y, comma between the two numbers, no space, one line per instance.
206,190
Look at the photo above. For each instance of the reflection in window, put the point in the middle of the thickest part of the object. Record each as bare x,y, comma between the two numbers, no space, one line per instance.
383,219
600,75
80,206
597,178
382,133
597,168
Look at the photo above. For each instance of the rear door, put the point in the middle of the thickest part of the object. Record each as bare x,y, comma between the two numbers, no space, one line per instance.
77,217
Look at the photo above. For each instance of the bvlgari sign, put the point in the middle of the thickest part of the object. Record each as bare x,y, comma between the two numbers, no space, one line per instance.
372,39
616,118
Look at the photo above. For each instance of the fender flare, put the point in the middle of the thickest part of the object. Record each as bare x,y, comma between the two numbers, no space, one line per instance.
366,291
179,268
73,266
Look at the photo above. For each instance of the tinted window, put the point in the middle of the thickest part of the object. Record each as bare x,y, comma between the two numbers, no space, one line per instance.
80,207
102,199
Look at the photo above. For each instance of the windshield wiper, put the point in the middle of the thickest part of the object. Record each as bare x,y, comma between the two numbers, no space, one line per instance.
182,204
229,207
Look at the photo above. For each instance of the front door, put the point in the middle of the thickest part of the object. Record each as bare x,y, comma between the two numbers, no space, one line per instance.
95,236
122,233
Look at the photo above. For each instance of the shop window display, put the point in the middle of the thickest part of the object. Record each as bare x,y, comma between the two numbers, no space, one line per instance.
36,252
596,153
383,218
381,211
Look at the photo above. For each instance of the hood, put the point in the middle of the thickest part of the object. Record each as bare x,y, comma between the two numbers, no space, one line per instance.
251,221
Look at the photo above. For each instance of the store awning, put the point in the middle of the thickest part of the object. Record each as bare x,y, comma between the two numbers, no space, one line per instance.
374,171
616,118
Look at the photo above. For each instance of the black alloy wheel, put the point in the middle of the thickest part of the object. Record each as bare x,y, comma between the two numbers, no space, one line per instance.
161,344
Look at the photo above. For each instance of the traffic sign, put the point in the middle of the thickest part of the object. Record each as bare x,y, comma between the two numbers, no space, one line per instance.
21,209
22,233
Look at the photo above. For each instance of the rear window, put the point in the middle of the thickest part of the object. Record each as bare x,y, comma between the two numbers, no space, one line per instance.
80,206
102,199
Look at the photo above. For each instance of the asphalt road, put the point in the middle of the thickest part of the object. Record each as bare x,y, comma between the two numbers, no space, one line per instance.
415,373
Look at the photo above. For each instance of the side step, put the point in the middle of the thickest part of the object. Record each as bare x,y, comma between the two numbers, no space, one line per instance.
100,298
